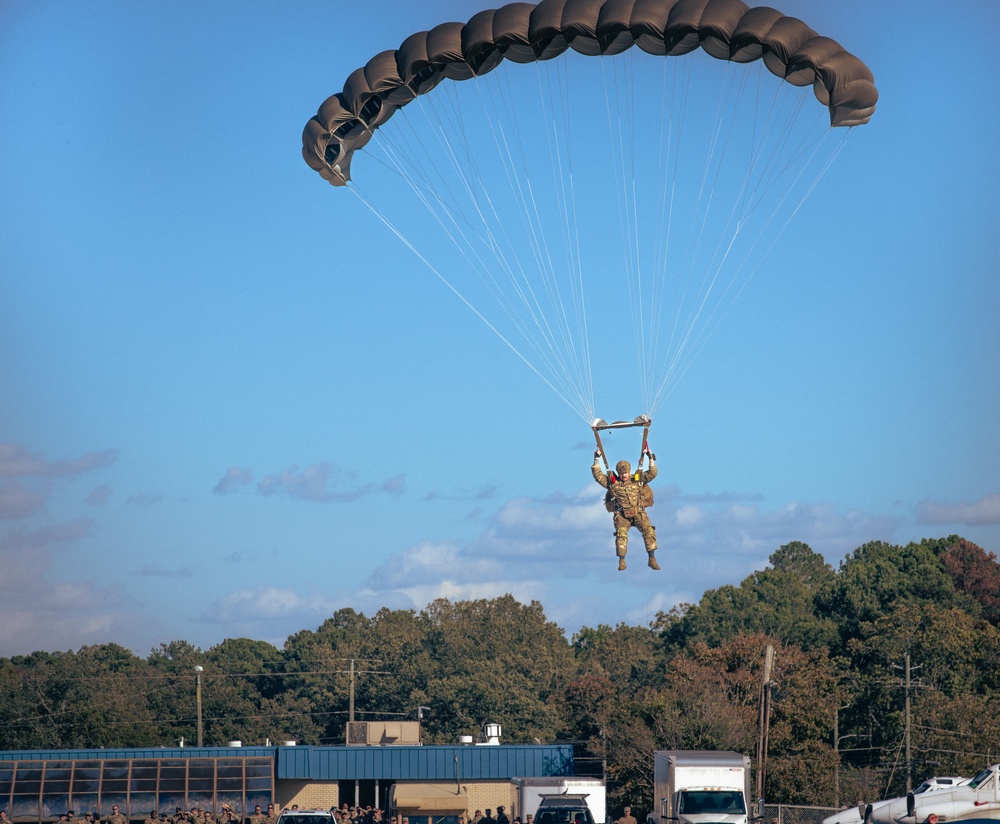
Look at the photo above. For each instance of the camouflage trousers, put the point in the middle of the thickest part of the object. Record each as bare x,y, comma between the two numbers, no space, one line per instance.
640,522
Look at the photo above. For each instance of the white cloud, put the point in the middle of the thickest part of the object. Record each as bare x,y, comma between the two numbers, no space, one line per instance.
17,501
17,462
98,496
156,571
322,483
39,613
233,480
984,512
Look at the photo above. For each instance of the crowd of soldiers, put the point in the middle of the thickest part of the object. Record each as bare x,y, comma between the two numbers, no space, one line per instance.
196,815
226,815
345,814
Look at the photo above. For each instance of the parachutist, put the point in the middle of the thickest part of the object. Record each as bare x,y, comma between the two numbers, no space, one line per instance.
628,495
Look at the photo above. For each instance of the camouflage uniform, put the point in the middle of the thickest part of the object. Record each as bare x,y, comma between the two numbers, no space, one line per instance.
628,498
116,818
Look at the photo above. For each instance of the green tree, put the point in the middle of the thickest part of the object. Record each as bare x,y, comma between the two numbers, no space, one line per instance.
496,660
779,601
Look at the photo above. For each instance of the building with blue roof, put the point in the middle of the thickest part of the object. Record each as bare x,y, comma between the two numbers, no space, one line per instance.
439,781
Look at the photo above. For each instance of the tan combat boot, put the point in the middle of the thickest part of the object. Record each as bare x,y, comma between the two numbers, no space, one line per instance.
652,560
621,562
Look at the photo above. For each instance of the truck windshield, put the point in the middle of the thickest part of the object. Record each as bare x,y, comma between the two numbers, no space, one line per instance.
713,802
564,815
980,781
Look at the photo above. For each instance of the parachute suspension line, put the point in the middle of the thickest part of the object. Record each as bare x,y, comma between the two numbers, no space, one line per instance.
766,151
684,271
718,151
392,228
696,332
669,164
467,248
717,316
553,88
575,377
532,224
556,90
492,237
576,257
622,142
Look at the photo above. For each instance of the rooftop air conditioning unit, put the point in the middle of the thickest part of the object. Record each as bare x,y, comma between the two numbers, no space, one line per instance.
357,733
378,733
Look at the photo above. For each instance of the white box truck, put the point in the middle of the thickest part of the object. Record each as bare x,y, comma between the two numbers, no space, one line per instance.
700,787
531,791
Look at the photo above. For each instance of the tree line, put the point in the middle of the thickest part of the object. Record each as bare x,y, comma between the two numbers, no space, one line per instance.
689,680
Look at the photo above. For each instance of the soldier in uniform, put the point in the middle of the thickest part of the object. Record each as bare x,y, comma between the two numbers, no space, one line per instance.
627,497
258,816
154,818
115,817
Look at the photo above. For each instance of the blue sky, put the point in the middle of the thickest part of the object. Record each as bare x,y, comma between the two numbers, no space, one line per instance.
231,402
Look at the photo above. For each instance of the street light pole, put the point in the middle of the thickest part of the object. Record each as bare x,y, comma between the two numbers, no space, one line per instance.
197,692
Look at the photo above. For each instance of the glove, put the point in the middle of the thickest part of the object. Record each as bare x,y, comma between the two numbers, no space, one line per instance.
597,454
652,457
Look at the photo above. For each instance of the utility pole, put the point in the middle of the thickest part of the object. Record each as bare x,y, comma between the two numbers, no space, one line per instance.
197,698
764,719
907,688
351,693
909,761
836,757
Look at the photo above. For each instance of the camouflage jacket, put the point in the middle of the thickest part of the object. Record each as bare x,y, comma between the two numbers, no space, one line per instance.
627,496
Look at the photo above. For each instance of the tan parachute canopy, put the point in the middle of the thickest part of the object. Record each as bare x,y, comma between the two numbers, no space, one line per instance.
522,33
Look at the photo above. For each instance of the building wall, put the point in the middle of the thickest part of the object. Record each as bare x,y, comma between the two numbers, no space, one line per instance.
321,795
309,795
490,795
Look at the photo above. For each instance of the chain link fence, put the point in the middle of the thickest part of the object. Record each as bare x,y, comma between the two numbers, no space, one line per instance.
789,814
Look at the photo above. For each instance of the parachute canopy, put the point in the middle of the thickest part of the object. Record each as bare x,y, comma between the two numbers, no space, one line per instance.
522,33
619,197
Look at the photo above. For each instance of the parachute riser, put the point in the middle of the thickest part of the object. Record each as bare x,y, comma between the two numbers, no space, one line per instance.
600,448
645,447
643,420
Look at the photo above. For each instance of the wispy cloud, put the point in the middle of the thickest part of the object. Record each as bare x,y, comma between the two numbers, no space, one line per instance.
98,496
53,535
322,483
17,462
156,571
984,512
484,493
27,478
272,613
144,500
18,501
234,479
88,611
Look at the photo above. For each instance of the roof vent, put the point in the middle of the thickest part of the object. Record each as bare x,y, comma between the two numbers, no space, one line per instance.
490,734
